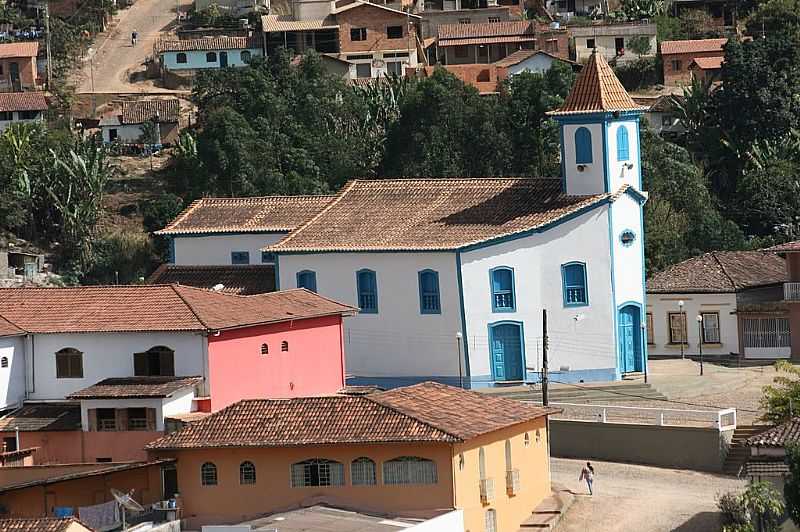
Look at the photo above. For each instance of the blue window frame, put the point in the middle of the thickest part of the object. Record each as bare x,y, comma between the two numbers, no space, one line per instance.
573,275
267,257
367,284
502,284
623,152
429,301
307,279
583,146
240,257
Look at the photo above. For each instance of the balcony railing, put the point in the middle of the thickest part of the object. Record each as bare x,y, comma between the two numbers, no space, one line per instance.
791,291
487,490
512,481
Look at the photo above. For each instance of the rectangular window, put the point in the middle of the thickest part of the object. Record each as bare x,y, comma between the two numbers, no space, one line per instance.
494,20
307,279
429,302
394,32
677,66
590,44
394,67
69,364
766,332
574,281
364,70
502,284
6,116
240,257
315,473
490,521
367,285
710,327
551,45
137,419
10,443
28,115
677,327
359,57
358,34
465,21
409,470
154,363
619,45
650,338
267,257
106,419
461,52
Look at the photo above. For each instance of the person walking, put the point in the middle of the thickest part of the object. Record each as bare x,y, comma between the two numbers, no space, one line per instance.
587,473
134,36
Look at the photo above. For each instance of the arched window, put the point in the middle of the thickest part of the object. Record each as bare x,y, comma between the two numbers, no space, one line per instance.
264,349
362,472
69,363
307,279
156,361
208,474
502,279
246,56
247,473
583,146
367,284
573,276
317,472
623,153
211,57
181,58
509,465
429,302
409,470
4,362
481,464
527,440
284,346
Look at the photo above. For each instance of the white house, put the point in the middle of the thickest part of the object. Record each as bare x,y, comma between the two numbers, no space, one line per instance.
537,61
207,52
18,107
737,294
452,275
613,40
127,124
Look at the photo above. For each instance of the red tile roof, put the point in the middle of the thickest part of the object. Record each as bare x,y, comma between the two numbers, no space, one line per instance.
597,90
22,101
140,111
427,412
154,308
519,56
243,280
693,46
777,436
41,524
708,63
9,329
720,272
434,214
208,44
136,387
786,247
43,417
486,29
19,49
246,215
487,40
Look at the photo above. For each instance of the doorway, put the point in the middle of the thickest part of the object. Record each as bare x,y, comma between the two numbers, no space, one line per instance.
223,59
507,351
169,475
630,339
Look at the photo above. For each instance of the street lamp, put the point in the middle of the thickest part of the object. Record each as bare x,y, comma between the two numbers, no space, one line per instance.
700,340
683,325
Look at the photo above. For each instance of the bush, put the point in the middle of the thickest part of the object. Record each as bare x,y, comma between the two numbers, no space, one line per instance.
123,257
759,503
643,72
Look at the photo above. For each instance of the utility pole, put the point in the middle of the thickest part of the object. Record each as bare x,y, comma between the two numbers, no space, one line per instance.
47,41
545,398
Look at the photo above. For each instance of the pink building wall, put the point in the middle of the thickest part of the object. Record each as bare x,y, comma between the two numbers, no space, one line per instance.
313,365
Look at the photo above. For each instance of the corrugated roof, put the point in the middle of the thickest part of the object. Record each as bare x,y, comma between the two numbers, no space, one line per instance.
692,46
279,214
19,49
208,44
272,23
141,111
243,280
22,101
136,387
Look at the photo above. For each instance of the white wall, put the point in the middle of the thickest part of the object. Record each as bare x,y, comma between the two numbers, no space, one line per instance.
618,172
449,522
106,355
179,403
590,180
606,44
585,343
12,378
540,63
130,133
397,341
196,59
216,249
4,124
661,304
628,260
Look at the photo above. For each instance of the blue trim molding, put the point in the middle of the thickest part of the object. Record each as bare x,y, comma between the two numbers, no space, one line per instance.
565,288
495,308
522,356
531,377
464,340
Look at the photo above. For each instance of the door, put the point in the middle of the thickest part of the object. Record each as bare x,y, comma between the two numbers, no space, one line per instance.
223,59
629,335
170,475
13,71
506,347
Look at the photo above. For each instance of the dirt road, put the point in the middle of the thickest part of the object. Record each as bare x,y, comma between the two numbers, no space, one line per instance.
645,499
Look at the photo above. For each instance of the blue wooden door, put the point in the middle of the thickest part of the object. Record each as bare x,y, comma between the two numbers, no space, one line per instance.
507,352
629,338
223,59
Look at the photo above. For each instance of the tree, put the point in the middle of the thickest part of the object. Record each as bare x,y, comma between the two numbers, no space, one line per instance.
758,508
781,399
791,488
640,45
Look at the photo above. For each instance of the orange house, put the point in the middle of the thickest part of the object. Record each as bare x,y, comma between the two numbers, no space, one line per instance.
18,66
678,57
408,452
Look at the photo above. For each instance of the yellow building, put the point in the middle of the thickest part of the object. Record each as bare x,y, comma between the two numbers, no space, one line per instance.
415,451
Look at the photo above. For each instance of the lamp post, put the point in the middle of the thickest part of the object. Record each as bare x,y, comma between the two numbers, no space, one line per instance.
683,328
700,340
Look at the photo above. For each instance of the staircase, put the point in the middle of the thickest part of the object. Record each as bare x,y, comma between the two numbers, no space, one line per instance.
550,511
738,453
586,394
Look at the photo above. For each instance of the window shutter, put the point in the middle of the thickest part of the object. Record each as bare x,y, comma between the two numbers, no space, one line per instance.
92,419
167,363
62,366
140,364
151,419
76,370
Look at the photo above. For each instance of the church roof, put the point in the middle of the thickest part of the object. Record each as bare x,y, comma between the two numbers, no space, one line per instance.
597,90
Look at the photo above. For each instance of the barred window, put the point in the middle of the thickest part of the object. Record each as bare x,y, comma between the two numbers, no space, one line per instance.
409,470
208,474
317,472
491,521
362,472
247,473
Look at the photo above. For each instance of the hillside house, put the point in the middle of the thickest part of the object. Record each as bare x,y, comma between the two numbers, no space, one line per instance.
662,113
707,69
458,44
16,107
537,61
613,40
128,125
722,13
678,57
180,59
18,66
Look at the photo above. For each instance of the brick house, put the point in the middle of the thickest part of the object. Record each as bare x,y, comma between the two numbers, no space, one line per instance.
18,66
678,57
707,69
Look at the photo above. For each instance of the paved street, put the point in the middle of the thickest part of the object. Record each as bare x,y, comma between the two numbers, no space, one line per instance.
645,499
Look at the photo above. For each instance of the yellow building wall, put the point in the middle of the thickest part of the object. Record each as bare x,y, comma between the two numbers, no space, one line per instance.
533,464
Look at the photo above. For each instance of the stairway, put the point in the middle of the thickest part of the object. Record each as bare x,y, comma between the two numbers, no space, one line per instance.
585,394
738,453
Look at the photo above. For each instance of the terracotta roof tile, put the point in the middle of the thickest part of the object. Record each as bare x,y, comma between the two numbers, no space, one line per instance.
486,29
427,412
433,214
208,44
519,56
246,215
487,40
22,101
772,468
9,329
786,247
243,280
777,436
19,49
720,272
692,46
597,90
135,387
272,23
43,417
41,524
140,111
708,63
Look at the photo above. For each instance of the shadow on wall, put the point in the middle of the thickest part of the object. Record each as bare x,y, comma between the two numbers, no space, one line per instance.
701,522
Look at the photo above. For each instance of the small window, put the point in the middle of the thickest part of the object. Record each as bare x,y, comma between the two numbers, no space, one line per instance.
362,472
247,473
650,337
394,32
137,419
4,362
623,153
317,473
491,521
590,44
284,346
267,257
181,58
69,364
465,21
106,419
619,45
574,279
583,146
363,70
103,460
461,52
551,45
211,57
264,349
677,65
627,237
394,67
358,34
527,440
307,279
677,327
429,302
409,470
28,115
710,327
494,20
208,474
502,289
6,116
240,257
367,286
246,56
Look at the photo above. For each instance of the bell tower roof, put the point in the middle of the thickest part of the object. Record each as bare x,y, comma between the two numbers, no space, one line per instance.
597,90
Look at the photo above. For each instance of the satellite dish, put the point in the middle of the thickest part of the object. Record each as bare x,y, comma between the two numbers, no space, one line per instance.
126,501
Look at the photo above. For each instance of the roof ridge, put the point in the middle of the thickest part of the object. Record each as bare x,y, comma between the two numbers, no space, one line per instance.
189,306
724,270
372,398
14,324
188,210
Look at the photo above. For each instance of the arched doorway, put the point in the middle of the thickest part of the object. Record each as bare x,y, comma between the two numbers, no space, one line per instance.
507,351
629,333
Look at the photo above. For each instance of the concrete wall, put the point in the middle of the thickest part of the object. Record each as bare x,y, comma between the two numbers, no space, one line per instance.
196,59
698,448
605,40
12,378
76,446
5,124
215,250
